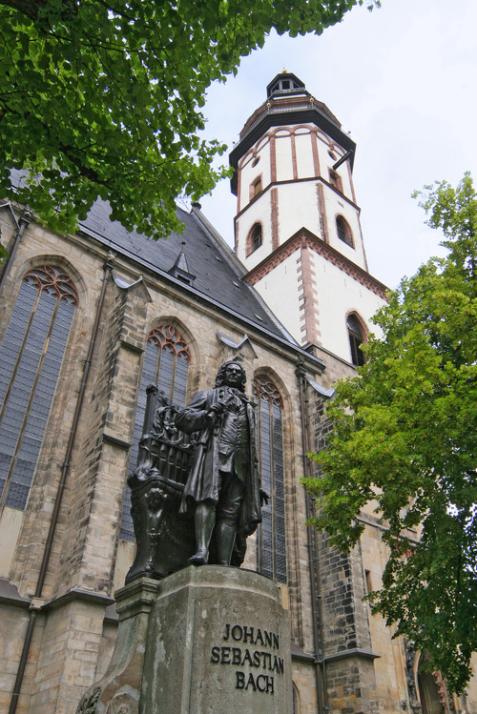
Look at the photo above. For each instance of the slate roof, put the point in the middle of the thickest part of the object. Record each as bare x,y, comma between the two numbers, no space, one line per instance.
216,272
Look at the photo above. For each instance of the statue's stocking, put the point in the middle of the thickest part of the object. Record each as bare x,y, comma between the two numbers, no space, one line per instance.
204,522
225,540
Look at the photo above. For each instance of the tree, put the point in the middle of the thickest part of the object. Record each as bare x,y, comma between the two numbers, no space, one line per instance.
405,434
103,97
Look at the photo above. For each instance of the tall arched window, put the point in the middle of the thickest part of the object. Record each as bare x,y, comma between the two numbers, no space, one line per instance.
433,691
296,699
356,339
272,560
31,355
344,231
254,238
166,363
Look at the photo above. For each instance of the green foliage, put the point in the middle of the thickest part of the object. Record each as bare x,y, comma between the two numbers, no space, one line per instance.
103,98
405,434
3,255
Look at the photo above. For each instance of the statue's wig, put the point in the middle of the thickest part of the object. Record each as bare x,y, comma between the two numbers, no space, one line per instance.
220,378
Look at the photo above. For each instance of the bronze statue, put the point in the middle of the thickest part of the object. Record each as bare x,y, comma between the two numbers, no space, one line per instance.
195,492
223,487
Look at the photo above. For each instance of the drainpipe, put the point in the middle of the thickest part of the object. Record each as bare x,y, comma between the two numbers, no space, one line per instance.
21,224
316,599
107,267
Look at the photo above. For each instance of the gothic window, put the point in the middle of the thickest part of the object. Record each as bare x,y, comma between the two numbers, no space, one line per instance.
296,700
254,238
335,181
356,339
433,691
271,538
344,231
31,355
166,363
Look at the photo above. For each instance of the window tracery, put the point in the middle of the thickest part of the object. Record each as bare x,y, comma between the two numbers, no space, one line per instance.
53,280
166,363
31,355
272,531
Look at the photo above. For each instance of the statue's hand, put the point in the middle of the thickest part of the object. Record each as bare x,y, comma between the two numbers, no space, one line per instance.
264,497
214,411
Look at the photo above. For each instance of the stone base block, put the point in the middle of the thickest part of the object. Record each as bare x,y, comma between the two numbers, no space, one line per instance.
218,643
209,640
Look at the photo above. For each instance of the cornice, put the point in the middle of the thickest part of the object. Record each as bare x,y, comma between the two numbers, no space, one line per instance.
305,238
284,182
267,117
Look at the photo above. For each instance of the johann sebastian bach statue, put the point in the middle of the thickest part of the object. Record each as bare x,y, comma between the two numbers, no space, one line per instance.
223,486
195,492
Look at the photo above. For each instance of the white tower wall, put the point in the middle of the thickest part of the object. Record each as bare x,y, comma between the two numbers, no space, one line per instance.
298,207
279,290
250,169
338,295
310,266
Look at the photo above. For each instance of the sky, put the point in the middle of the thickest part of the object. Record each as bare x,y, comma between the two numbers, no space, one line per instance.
402,80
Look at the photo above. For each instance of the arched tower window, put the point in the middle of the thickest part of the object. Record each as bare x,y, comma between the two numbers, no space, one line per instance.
272,537
255,187
254,238
356,339
31,356
344,231
166,363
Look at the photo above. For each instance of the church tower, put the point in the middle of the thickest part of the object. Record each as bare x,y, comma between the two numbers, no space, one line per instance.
297,226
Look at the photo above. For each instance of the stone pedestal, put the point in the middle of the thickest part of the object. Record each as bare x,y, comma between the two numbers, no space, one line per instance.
119,691
217,642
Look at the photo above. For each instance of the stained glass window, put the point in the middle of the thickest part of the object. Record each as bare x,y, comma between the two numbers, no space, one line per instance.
272,532
166,363
31,355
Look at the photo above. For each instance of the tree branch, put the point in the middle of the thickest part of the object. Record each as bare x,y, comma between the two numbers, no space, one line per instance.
30,8
91,174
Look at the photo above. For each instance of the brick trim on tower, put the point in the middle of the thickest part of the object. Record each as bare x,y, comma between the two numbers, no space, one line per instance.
239,193
274,217
308,298
314,152
305,238
273,158
293,152
321,208
318,179
350,177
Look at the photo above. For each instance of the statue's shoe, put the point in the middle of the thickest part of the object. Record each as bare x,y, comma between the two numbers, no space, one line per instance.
199,558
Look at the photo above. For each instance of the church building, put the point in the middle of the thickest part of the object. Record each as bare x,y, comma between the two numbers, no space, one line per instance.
90,320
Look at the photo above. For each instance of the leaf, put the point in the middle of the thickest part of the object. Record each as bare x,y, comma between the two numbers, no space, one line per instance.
106,100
